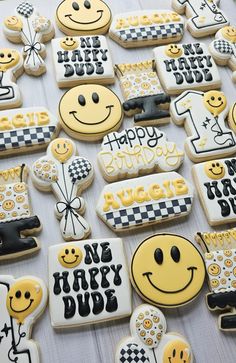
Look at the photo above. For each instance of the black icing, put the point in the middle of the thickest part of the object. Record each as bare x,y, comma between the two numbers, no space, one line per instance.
65,284
79,275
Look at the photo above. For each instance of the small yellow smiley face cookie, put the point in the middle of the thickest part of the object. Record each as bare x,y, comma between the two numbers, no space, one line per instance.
167,270
83,17
9,58
214,169
70,256
173,50
89,112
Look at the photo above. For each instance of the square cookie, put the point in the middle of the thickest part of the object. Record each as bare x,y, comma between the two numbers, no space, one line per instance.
82,60
88,282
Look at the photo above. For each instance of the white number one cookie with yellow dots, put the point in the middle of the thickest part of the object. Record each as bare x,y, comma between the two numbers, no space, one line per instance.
67,175
149,342
203,115
22,301
31,29
11,67
220,260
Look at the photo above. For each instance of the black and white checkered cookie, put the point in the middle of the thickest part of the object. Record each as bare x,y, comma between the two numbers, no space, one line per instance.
79,169
152,32
132,353
25,9
222,46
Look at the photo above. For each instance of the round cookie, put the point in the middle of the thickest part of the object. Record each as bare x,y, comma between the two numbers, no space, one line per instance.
83,17
167,270
89,112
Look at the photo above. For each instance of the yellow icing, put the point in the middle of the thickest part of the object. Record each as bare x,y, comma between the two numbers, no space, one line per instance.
62,149
229,33
20,120
214,169
9,58
13,23
69,43
169,282
23,298
177,351
12,173
152,19
215,102
173,50
70,256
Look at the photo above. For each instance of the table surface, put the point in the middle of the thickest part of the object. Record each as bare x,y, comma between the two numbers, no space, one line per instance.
97,343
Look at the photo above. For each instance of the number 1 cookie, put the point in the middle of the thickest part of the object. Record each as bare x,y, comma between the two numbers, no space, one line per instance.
203,115
67,175
204,16
31,29
149,342
22,301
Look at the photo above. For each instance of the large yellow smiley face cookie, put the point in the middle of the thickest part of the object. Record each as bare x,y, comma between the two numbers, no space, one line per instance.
167,270
88,112
83,17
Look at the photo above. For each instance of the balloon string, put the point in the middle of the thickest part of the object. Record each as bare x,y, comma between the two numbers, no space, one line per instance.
64,178
154,355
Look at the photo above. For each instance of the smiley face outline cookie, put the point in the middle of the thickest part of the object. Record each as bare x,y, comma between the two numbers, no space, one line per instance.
149,341
156,263
142,28
137,151
15,296
223,48
65,174
96,285
203,116
184,66
214,181
83,17
10,70
79,60
27,26
88,112
204,16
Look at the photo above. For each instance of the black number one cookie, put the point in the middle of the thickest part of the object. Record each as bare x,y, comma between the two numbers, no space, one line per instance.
16,223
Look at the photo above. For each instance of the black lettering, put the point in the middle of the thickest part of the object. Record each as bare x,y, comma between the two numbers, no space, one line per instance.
93,273
98,302
57,286
69,307
91,253
84,308
62,57
104,271
112,304
79,274
214,186
225,208
106,252
117,279
227,187
231,166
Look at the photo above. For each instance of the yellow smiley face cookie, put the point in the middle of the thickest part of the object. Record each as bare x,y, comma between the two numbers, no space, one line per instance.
214,169
167,270
70,256
9,58
215,102
83,17
229,33
173,51
69,43
88,112
177,351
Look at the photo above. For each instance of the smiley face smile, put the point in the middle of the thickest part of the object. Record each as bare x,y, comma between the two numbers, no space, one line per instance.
96,123
20,311
87,23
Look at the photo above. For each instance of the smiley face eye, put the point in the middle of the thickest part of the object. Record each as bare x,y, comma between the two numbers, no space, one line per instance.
87,4
213,98
213,165
9,55
27,295
219,98
81,100
158,255
175,254
95,97
217,164
174,353
75,6
1,55
67,252
73,251
18,294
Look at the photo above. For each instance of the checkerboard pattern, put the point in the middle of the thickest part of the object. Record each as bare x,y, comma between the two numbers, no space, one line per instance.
79,169
222,46
26,137
132,353
26,9
135,216
152,32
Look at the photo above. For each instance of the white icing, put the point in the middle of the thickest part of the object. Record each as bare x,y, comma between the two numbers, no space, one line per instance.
209,136
173,71
148,342
223,50
12,139
147,209
66,180
122,290
19,201
137,150
204,16
83,58
213,207
147,25
26,344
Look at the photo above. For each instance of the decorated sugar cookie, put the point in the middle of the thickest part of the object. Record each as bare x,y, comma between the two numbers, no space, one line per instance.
27,26
223,49
186,66
67,175
147,200
83,17
137,151
89,112
88,282
22,301
146,27
149,341
143,93
204,16
203,116
215,182
167,270
11,67
17,224
220,260
232,117
82,60
26,129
